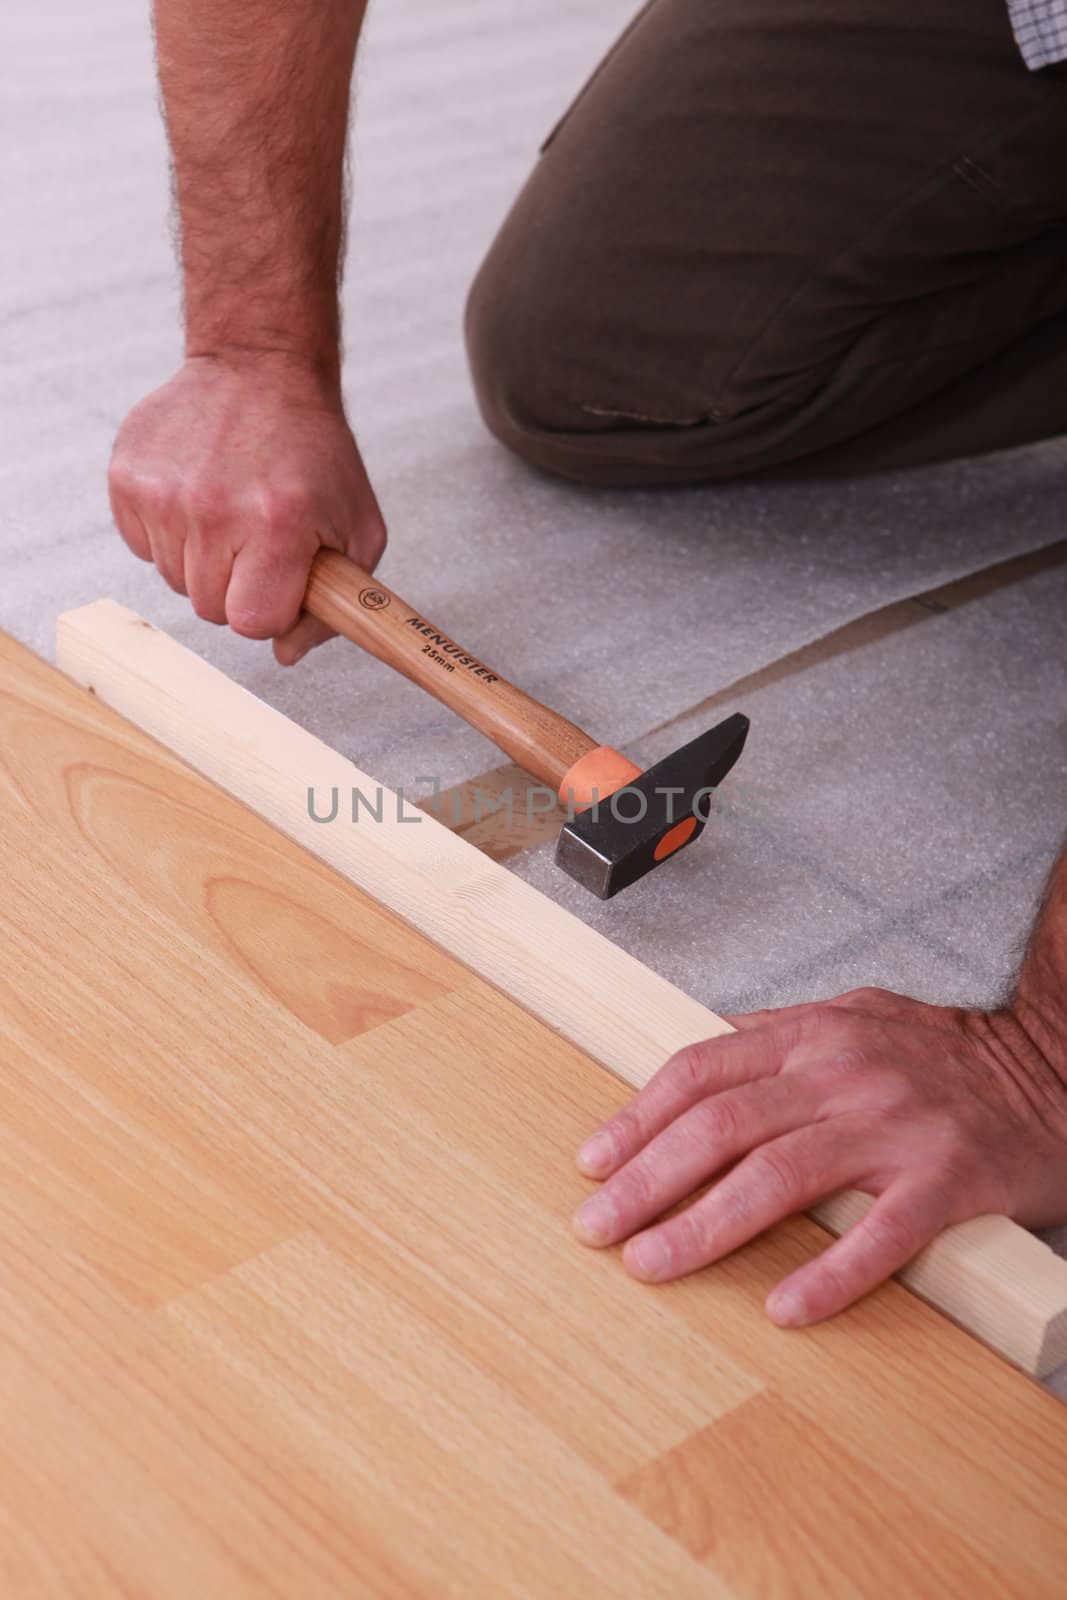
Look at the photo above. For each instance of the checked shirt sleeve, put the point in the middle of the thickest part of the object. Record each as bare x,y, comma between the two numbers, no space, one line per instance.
1040,30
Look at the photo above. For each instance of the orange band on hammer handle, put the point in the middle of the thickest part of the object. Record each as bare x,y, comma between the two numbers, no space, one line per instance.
351,601
595,776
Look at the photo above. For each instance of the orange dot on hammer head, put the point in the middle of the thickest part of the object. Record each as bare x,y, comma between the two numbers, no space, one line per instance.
675,837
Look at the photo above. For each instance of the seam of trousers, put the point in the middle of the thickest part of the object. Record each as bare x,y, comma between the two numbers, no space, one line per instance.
981,180
588,454
701,419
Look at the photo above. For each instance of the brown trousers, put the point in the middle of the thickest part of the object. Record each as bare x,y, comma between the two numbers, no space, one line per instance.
779,231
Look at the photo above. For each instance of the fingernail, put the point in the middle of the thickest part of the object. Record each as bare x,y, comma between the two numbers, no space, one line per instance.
597,1155
648,1256
786,1308
595,1220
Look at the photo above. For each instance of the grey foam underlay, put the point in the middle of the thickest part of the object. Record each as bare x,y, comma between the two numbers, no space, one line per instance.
892,820
619,609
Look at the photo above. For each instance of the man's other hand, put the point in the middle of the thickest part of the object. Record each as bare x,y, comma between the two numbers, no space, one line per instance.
230,478
942,1114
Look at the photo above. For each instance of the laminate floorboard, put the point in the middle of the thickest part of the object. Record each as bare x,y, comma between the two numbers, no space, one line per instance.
289,1303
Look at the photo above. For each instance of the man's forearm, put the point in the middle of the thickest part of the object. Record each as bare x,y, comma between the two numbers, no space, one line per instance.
256,95
1040,1001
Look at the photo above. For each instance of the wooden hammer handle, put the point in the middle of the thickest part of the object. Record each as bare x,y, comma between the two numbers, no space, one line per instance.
361,607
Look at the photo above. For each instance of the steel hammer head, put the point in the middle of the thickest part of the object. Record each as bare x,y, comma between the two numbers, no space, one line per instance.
631,828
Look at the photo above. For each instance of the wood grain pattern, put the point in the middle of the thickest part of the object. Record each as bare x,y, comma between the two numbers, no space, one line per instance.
287,1314
710,1491
1002,1284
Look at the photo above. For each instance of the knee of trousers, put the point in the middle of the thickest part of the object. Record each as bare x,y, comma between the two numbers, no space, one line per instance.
521,350
531,338
520,346
528,345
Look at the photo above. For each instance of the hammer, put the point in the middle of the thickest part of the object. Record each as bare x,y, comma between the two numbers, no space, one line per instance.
622,822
